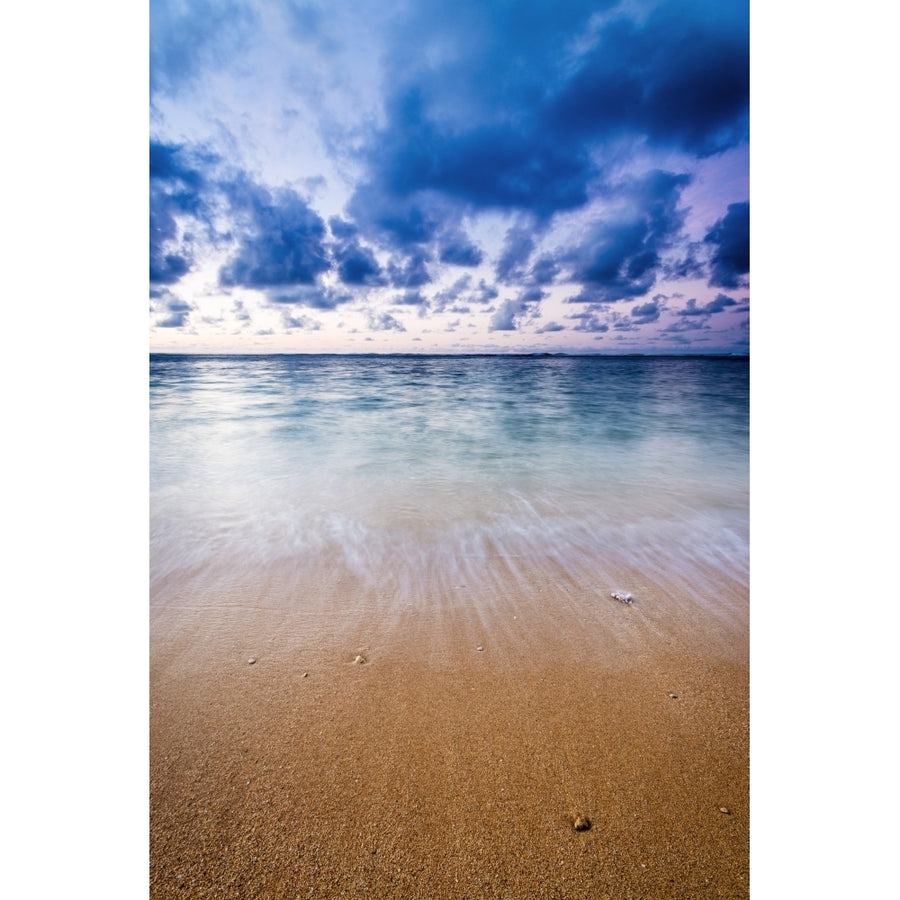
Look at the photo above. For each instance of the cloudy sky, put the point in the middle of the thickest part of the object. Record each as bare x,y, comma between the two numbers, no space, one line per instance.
449,175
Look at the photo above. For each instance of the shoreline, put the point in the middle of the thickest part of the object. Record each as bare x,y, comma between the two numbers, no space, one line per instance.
436,769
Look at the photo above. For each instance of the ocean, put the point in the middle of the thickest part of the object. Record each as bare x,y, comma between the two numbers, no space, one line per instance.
417,474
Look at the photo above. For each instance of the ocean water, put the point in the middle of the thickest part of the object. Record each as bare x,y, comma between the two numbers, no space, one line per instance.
411,468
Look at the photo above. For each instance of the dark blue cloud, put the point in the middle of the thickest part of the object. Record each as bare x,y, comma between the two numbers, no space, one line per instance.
619,257
510,313
411,298
685,325
357,265
532,295
315,297
717,305
687,266
589,321
342,229
411,272
478,62
492,166
400,221
680,78
730,239
168,268
178,166
544,270
517,249
504,112
622,323
281,242
173,310
645,313
457,250
485,293
178,187
507,316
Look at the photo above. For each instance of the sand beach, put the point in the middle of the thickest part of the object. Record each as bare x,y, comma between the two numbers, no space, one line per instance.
312,736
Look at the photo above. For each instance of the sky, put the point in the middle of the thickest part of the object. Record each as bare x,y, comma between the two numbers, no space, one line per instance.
449,176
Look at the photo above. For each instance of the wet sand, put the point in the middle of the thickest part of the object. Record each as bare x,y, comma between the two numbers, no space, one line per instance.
438,769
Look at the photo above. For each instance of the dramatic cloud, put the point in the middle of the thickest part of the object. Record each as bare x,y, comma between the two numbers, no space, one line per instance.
490,169
177,185
517,249
411,272
620,256
730,238
282,241
492,166
458,250
589,321
680,78
510,313
717,305
507,315
314,297
357,265
645,313
171,312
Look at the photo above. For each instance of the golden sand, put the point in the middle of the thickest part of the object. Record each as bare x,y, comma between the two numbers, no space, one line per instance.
373,750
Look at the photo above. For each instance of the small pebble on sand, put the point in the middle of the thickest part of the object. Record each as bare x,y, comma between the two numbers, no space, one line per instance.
582,823
306,674
479,648
251,660
674,696
622,596
360,660
725,810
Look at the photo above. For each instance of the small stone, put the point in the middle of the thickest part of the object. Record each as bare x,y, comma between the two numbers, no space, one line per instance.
725,810
674,696
622,596
582,823
479,648
306,674
360,660
251,661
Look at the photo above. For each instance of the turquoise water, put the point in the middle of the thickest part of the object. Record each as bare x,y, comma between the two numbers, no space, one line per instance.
421,463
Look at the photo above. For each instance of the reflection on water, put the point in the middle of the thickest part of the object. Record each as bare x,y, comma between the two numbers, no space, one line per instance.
420,461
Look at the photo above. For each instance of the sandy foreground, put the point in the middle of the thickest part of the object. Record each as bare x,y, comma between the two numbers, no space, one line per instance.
453,761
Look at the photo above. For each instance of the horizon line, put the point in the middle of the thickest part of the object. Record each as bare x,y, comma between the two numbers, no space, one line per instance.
534,354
